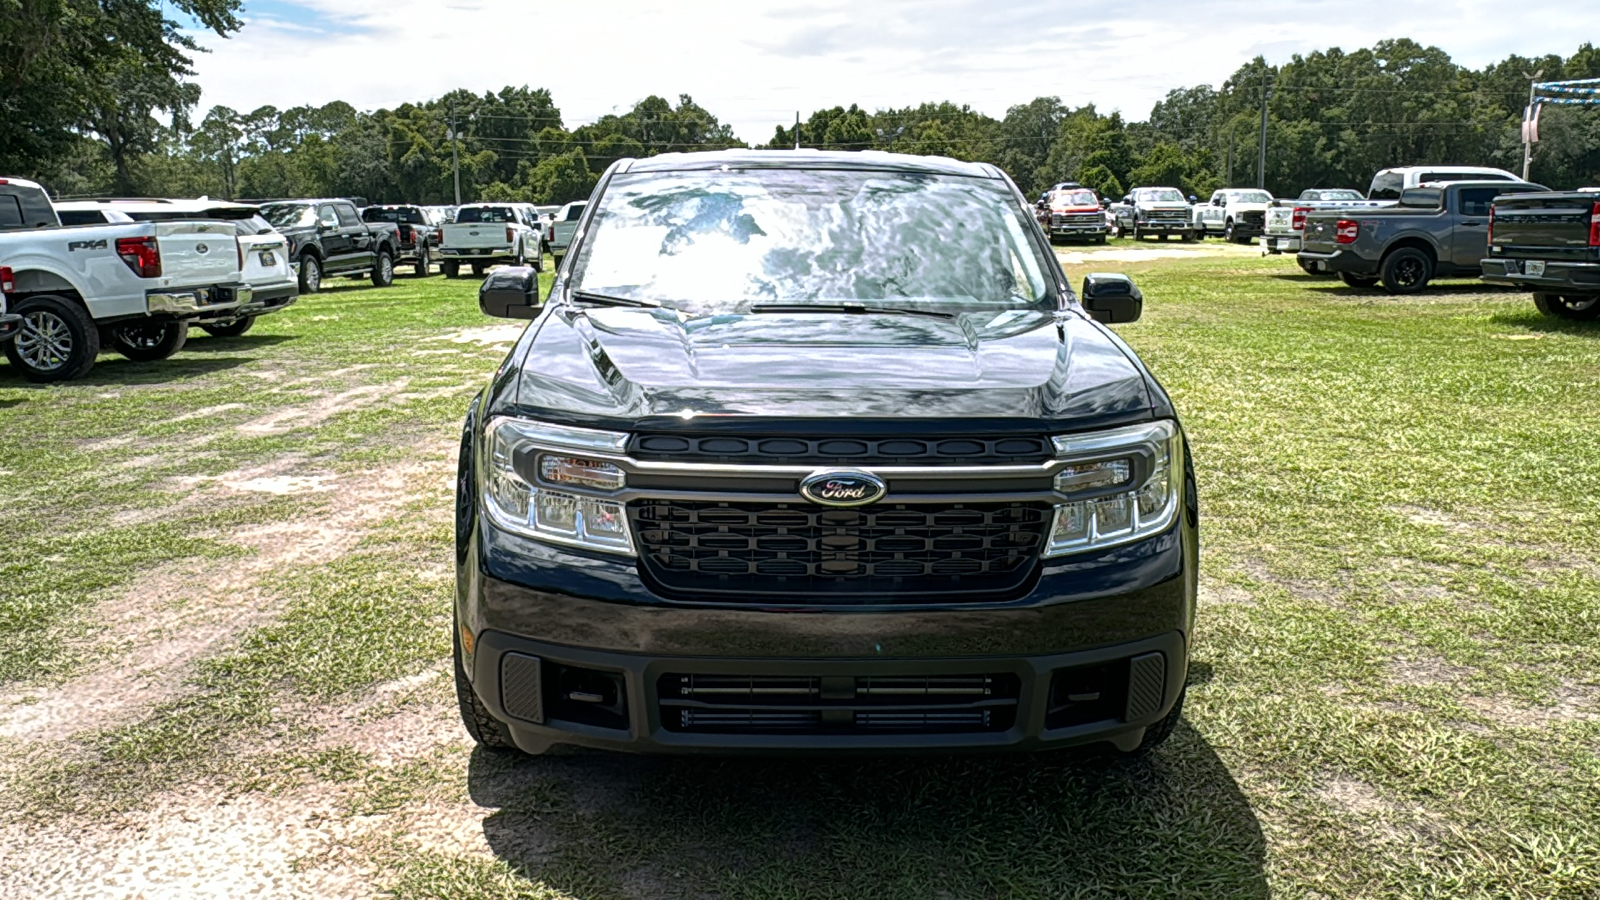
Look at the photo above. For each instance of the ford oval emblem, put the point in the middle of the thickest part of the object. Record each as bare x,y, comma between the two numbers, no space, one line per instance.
201,248
843,487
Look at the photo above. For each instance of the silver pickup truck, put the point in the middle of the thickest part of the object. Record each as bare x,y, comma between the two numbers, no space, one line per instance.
1432,231
1286,219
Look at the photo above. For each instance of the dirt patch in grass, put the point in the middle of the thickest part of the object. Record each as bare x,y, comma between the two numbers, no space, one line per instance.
1572,702
1419,671
324,408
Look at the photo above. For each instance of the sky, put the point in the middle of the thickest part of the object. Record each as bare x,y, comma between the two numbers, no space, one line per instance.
755,64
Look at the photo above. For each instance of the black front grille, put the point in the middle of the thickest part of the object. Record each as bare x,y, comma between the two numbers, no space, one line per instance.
798,704
889,551
948,451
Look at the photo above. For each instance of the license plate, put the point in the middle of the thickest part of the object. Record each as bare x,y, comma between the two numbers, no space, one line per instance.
268,258
1534,267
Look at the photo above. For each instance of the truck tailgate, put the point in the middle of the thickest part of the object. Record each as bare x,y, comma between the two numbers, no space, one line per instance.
475,236
197,254
1545,226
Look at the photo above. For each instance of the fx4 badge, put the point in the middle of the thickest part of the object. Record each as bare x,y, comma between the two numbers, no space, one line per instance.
86,245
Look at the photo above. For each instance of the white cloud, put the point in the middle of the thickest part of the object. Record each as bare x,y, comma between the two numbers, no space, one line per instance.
754,65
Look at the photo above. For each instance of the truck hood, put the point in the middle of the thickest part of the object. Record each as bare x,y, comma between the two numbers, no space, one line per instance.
631,364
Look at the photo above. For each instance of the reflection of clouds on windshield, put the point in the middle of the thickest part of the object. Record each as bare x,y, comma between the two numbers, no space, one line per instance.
716,242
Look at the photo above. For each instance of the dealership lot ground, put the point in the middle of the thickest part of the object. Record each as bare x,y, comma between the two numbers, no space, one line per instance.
224,604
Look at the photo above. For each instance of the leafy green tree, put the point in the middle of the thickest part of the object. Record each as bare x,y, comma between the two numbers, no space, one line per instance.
562,179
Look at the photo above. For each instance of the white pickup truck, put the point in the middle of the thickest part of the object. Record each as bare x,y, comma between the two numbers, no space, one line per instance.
1235,214
487,233
135,286
1286,219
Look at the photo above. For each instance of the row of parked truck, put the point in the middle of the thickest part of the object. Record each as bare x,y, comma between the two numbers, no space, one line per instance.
135,275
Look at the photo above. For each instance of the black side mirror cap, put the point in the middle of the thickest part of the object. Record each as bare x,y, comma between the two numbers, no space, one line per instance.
511,292
1112,298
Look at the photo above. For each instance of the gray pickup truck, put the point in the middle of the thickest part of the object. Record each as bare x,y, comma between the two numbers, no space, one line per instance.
1437,231
1548,244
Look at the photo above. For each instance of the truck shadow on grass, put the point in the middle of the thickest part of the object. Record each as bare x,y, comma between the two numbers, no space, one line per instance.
1533,320
114,371
916,827
1433,290
246,342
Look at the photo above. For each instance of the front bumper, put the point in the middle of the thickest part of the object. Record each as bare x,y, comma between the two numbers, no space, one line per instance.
1337,262
1158,226
9,326
537,617
199,301
1271,243
1557,278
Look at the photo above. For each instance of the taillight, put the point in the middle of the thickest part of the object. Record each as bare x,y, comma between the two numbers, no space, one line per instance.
142,255
551,234
1297,219
8,281
1594,226
1345,231
1491,227
511,235
239,251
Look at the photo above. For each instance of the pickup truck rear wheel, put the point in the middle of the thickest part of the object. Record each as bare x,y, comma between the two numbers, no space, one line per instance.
149,341
58,340
1358,281
1406,271
478,269
422,261
1569,306
383,270
450,268
310,274
234,328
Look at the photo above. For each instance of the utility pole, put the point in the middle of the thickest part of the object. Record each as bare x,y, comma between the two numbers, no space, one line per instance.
797,129
455,158
1233,137
1527,123
1261,169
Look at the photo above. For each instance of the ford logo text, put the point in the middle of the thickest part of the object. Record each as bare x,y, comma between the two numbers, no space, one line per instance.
843,488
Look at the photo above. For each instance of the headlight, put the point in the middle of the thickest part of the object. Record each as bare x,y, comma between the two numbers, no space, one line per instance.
537,481
1120,486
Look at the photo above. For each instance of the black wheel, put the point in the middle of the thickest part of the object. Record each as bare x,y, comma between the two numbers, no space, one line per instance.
522,255
557,258
149,341
481,725
383,270
450,268
1228,232
1406,271
1157,734
538,260
1358,281
1164,236
58,341
478,269
229,329
1099,239
1136,235
1583,308
310,274
422,261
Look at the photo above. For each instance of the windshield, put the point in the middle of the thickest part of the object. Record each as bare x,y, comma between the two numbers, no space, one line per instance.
288,215
1252,197
489,214
1160,195
1076,198
571,212
707,242
1437,177
407,214
1339,195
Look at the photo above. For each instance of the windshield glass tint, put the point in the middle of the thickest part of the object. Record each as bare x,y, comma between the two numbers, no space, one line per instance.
487,214
1341,195
377,214
288,215
719,242
1077,198
1252,197
1160,196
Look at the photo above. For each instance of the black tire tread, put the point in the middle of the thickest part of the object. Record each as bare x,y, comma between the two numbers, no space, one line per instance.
482,726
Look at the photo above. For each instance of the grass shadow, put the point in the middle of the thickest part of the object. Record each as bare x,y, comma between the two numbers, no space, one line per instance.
205,343
1462,289
1533,320
1030,825
119,372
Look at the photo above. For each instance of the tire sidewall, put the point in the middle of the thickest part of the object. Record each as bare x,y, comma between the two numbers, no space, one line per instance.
383,270
172,338
309,264
422,262
1393,264
80,327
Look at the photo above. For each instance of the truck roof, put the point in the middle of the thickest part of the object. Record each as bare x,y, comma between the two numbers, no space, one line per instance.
21,182
870,160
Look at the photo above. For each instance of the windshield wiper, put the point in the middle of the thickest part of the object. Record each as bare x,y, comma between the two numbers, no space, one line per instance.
605,300
858,309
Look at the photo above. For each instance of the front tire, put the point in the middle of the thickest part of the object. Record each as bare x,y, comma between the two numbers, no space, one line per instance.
1157,734
484,729
1577,307
229,329
310,274
149,341
383,270
58,340
422,262
1406,271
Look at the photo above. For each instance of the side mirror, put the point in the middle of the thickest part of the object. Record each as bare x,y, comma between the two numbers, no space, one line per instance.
1193,199
1112,298
511,293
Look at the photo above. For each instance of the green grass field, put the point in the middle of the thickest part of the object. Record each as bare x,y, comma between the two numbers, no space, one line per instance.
224,652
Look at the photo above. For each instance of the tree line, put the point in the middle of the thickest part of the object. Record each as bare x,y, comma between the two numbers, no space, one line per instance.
100,103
